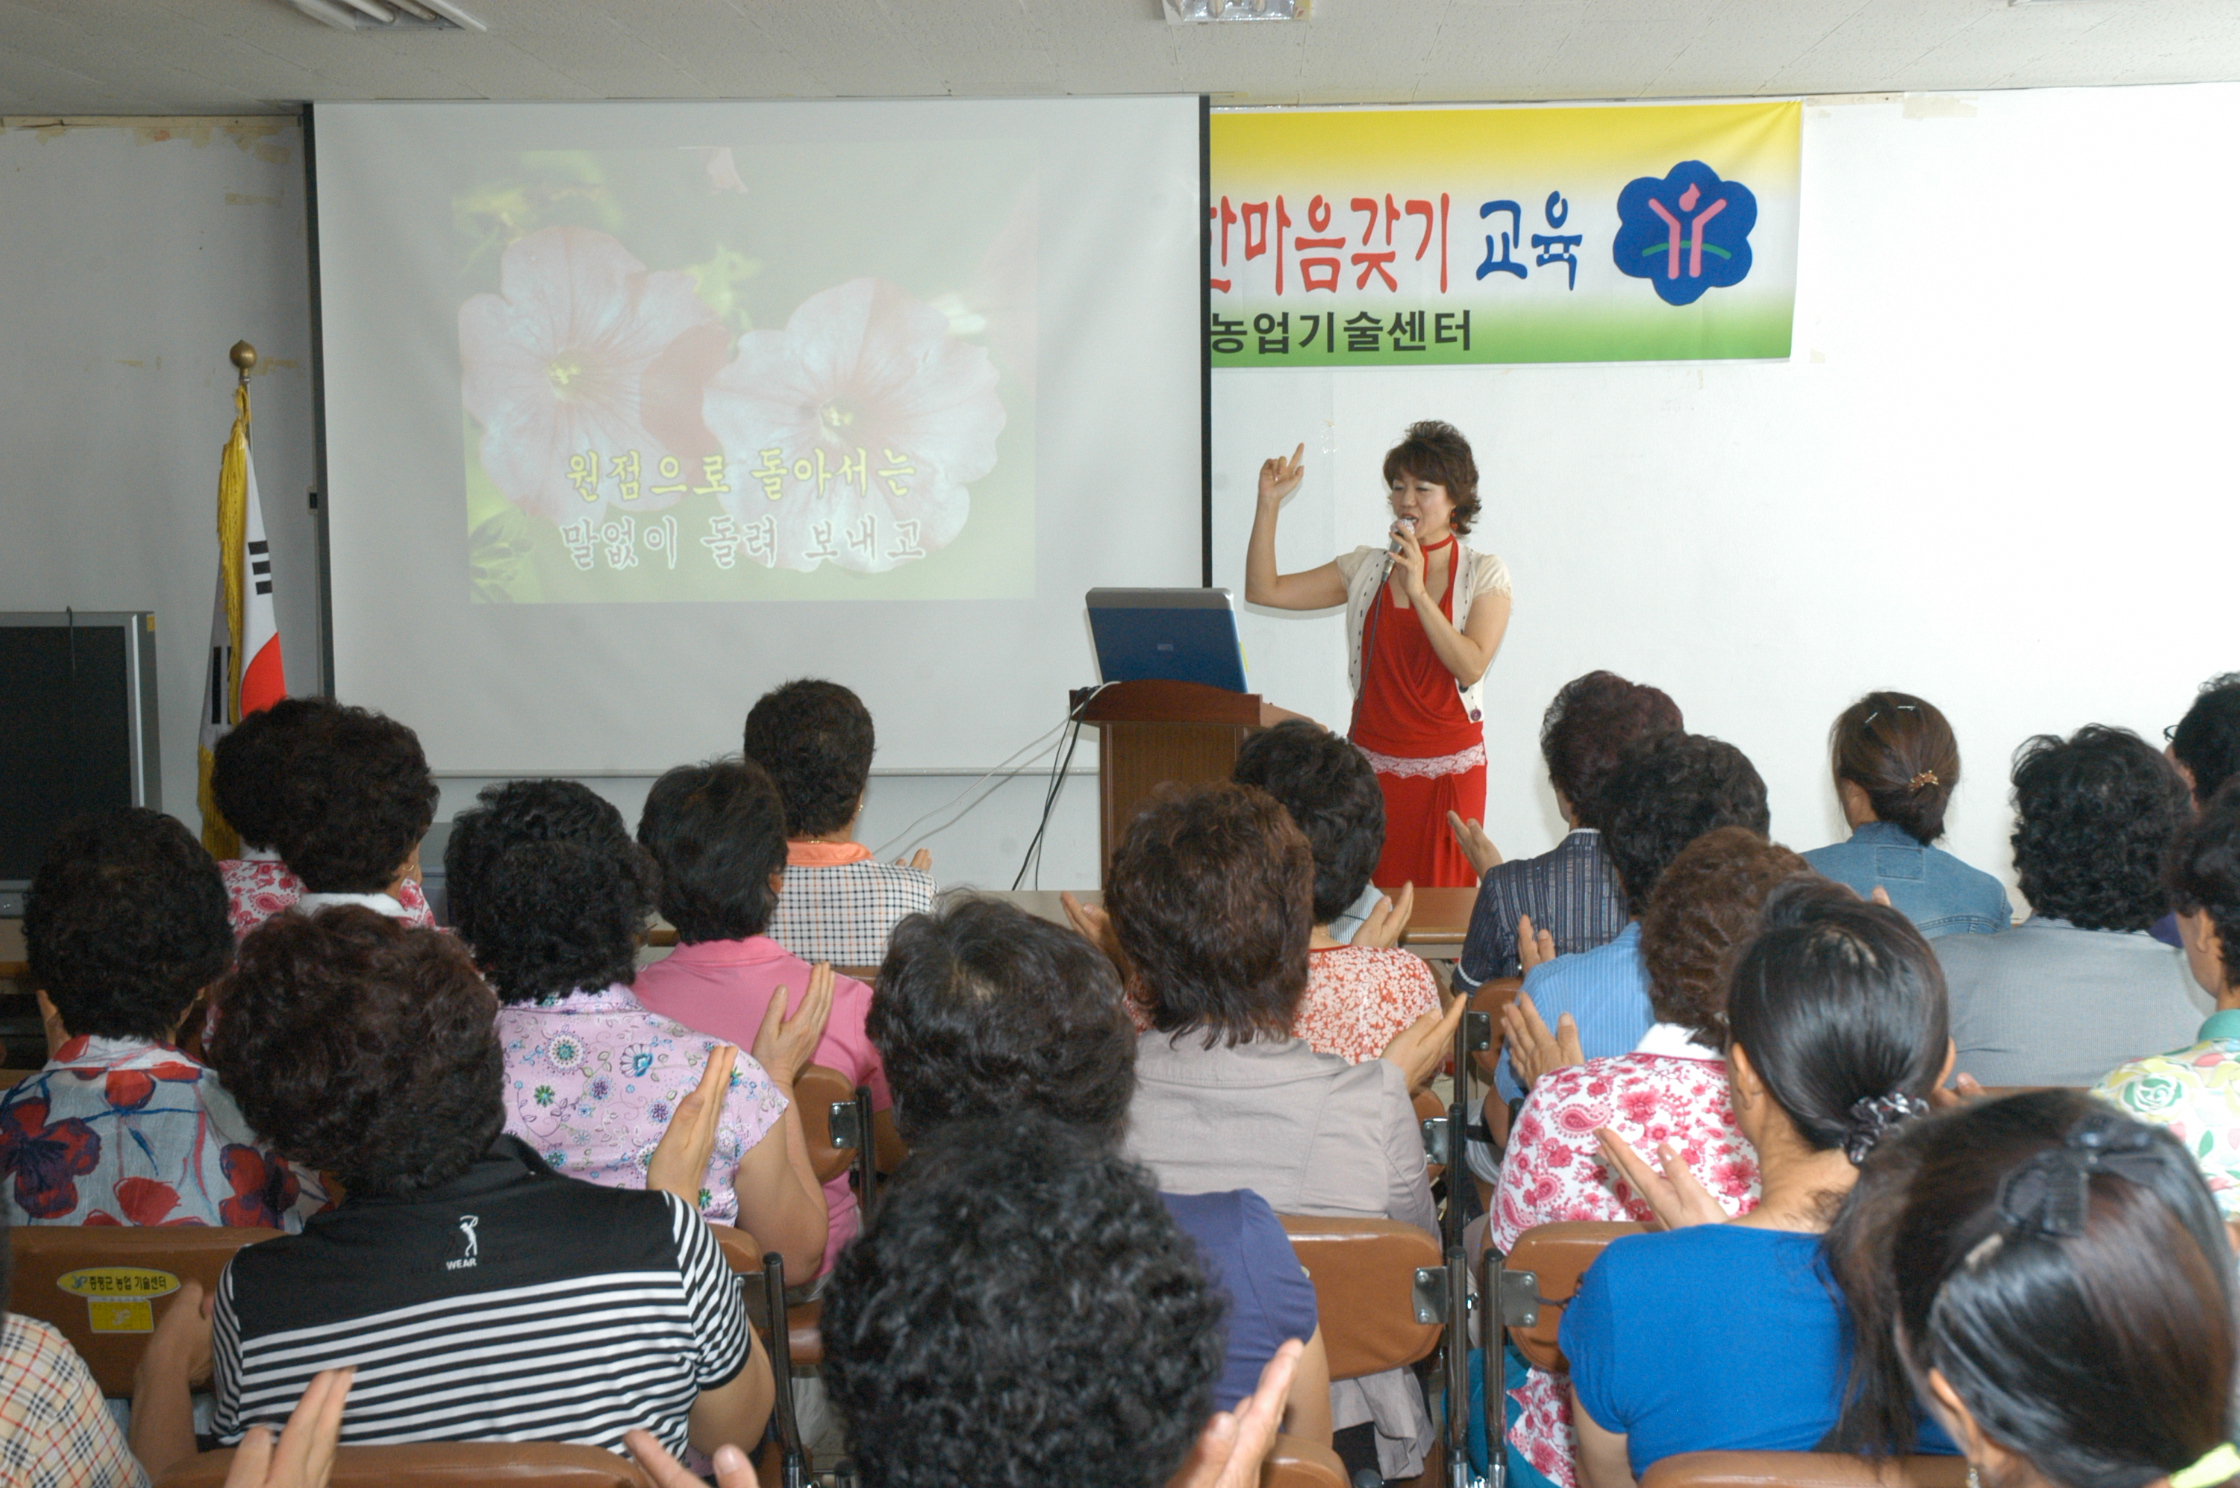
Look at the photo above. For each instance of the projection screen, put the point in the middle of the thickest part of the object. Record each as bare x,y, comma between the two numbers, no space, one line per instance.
633,410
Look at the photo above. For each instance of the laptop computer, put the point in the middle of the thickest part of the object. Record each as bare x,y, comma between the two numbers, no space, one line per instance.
1179,635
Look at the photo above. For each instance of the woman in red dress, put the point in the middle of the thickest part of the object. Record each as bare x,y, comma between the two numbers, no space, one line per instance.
1423,620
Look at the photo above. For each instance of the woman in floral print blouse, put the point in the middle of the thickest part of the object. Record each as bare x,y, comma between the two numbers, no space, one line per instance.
551,893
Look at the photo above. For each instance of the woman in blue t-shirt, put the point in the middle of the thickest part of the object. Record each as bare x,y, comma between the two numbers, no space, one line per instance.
1732,1334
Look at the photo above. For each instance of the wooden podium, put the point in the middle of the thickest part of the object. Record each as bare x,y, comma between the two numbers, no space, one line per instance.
1155,732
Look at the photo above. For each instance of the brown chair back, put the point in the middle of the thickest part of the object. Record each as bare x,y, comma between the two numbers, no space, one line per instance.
1428,1108
1295,1462
803,1341
813,1093
1804,1470
1557,1255
1490,998
104,1287
446,1465
1364,1273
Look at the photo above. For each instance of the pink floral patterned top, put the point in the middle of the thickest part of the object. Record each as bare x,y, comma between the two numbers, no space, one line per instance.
1667,1090
1358,997
259,888
592,1079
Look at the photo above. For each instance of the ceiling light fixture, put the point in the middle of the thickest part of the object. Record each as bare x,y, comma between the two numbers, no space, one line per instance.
388,15
1193,12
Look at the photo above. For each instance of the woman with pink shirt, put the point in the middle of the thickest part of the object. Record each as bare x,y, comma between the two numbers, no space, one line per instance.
718,833
1670,1092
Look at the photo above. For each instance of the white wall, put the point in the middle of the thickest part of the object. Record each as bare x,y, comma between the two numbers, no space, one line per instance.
1996,471
135,255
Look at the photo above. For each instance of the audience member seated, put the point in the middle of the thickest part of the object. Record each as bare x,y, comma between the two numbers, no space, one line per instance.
1896,764
839,903
1211,897
983,1009
1666,790
354,801
1670,1093
55,1429
1732,1336
2049,1280
2080,986
554,903
1021,1310
481,1295
1570,891
246,769
2204,746
717,833
2195,1091
125,927
1360,995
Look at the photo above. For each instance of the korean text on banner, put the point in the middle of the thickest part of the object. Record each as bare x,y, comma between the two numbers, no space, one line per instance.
1384,237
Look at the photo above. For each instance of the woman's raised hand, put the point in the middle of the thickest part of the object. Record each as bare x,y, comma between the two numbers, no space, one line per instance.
783,1046
1279,477
1675,1196
679,1164
1408,562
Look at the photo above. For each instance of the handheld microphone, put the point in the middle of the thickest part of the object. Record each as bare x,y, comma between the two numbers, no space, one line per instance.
1394,545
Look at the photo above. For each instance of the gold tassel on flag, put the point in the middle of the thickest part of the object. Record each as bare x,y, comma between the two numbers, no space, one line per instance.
222,681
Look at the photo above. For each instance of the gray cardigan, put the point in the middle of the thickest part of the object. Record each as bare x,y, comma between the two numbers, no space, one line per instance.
1308,1132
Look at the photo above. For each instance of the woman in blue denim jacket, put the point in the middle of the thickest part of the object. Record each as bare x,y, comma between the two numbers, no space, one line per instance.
1896,763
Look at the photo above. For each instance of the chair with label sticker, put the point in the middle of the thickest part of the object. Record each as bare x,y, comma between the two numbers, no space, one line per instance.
103,1287
445,1465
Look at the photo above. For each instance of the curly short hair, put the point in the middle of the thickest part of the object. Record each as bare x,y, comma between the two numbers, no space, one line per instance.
355,800
1211,894
125,924
362,1047
2207,740
1331,791
247,765
1021,1311
718,834
535,937
982,1008
2204,873
1435,451
1900,750
1703,910
2094,817
1666,790
816,740
1589,724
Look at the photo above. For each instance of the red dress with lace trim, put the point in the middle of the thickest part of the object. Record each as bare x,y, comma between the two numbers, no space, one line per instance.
1429,757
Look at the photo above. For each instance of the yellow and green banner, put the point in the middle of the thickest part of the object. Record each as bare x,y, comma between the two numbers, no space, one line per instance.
1384,237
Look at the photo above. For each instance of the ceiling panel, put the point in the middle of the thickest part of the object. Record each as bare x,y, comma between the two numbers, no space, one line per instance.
185,56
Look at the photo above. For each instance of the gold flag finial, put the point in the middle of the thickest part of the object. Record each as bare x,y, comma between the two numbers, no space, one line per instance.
245,357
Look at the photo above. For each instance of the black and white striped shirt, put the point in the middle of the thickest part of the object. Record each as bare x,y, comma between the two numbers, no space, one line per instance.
509,1305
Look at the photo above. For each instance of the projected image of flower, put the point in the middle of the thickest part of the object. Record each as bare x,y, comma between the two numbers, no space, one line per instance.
585,372
851,436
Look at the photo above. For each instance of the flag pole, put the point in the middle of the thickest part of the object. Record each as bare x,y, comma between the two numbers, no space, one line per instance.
245,357
222,703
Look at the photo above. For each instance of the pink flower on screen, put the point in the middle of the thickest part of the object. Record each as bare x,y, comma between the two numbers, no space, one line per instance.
585,372
856,430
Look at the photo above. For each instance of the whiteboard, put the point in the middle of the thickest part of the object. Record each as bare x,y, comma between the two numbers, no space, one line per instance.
1995,470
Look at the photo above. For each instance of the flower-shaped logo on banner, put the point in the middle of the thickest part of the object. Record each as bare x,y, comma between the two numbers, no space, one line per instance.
853,434
1685,233
585,371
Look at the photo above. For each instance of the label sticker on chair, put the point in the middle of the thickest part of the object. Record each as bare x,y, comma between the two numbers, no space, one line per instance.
119,1299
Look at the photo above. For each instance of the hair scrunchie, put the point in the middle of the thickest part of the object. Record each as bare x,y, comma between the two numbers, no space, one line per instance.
1872,1116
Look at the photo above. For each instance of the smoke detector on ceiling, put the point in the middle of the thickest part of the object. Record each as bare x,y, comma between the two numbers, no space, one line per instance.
1190,12
389,15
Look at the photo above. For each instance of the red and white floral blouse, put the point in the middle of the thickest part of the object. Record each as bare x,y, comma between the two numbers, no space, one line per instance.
1668,1089
259,888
